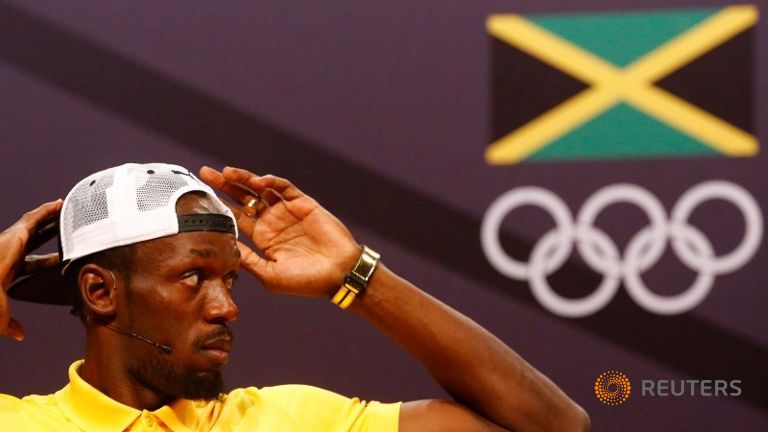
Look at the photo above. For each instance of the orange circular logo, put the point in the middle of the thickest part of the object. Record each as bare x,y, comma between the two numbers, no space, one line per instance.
612,388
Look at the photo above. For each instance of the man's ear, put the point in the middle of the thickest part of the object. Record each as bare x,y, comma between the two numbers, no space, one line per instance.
98,289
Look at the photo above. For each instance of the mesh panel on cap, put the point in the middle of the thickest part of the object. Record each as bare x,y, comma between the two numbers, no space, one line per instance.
89,202
155,190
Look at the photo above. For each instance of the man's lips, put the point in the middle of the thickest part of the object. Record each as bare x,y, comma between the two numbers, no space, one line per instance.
218,349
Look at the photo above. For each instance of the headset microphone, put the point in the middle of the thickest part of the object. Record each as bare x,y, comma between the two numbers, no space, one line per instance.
162,347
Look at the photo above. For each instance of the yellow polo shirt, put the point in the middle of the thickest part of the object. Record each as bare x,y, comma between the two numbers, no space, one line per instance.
80,407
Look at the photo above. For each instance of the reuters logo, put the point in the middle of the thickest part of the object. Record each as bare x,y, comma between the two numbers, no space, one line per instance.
612,388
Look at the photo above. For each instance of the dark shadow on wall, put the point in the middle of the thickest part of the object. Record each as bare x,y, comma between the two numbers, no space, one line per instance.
167,106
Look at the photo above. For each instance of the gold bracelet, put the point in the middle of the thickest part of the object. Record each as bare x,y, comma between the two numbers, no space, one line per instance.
357,279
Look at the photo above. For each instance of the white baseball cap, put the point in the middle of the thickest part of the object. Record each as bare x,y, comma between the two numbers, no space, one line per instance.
115,207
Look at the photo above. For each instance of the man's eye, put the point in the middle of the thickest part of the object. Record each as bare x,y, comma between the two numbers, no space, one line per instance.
191,278
230,279
230,282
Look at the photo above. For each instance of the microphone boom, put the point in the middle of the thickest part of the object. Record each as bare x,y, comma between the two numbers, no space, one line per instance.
162,347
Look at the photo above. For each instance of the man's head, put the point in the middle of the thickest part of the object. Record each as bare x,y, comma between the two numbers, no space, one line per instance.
176,291
151,251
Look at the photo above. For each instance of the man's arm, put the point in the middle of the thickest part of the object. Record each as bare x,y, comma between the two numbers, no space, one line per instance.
308,252
471,364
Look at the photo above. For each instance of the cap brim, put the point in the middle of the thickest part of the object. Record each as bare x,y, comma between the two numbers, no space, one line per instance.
46,286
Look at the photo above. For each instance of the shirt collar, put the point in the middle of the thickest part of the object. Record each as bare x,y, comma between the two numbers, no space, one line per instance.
94,411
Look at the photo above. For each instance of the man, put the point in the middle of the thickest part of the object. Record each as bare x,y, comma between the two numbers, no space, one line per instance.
149,256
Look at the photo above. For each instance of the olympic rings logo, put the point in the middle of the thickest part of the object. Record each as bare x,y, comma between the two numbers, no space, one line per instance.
643,251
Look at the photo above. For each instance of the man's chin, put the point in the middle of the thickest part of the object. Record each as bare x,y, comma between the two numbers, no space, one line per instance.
204,385
162,376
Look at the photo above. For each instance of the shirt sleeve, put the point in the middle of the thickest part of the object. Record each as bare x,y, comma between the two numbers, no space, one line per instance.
313,409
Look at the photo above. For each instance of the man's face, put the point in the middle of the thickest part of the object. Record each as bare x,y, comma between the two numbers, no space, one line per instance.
180,295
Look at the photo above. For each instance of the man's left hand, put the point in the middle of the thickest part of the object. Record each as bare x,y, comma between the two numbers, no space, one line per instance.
306,250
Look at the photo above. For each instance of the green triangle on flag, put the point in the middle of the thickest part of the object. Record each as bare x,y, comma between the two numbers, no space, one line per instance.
622,132
622,37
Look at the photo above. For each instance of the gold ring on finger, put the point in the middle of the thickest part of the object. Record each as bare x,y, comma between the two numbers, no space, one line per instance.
249,208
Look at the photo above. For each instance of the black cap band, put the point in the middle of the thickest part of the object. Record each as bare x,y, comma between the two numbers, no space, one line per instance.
206,222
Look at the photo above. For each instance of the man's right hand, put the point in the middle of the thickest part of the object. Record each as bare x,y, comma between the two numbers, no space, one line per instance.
13,242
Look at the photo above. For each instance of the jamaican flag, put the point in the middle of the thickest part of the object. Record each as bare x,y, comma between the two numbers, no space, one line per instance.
622,85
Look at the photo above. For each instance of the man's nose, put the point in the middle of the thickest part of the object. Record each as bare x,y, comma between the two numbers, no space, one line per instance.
220,307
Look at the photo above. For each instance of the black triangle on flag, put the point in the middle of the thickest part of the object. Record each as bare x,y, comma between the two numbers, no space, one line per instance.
720,82
522,88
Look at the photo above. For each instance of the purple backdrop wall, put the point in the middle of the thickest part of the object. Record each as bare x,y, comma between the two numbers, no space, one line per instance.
344,97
